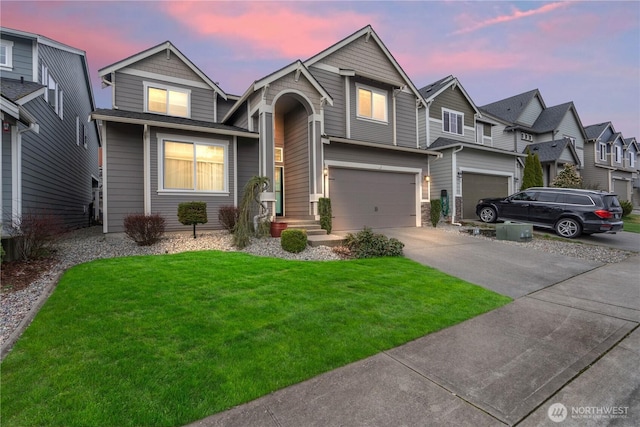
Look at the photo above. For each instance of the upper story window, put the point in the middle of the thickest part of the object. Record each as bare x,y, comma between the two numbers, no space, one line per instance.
372,103
452,122
199,165
618,154
602,151
54,94
167,100
6,54
632,159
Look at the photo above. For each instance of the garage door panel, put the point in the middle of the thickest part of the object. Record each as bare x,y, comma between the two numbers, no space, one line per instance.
477,186
372,198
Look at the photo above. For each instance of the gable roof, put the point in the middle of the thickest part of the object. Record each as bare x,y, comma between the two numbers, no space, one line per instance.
550,151
550,118
510,109
297,67
595,131
632,141
430,92
105,71
369,32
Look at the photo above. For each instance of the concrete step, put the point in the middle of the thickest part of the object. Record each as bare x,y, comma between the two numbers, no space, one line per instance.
331,240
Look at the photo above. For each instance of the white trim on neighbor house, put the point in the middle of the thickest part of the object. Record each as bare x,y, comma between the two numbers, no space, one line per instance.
234,143
7,46
105,181
161,138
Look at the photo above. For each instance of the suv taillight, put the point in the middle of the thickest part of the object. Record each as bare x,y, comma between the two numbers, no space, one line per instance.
603,214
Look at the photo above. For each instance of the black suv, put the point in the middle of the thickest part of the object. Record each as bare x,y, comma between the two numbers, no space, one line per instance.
570,212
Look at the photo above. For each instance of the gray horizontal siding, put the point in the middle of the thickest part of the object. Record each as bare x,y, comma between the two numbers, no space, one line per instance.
22,59
296,156
358,154
167,204
130,96
248,152
125,173
6,178
166,63
530,114
406,120
368,130
334,115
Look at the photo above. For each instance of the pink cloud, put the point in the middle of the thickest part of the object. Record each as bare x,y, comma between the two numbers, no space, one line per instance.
266,30
515,14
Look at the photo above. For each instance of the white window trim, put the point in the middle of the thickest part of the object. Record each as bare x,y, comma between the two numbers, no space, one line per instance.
632,159
379,92
617,154
161,138
452,112
9,47
77,131
602,151
147,85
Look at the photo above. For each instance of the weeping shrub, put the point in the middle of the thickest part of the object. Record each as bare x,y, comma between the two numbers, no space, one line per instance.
250,203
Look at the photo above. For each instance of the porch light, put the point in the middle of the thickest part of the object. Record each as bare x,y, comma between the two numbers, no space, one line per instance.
325,171
427,178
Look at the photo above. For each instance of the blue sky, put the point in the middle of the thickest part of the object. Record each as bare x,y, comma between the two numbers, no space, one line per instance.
585,52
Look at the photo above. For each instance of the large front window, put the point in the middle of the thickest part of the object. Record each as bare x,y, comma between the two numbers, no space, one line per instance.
166,100
372,104
452,122
194,166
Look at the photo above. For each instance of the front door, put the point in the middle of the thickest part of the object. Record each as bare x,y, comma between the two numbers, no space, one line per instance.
279,186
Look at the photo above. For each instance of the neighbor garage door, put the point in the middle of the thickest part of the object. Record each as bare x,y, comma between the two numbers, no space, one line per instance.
476,186
372,198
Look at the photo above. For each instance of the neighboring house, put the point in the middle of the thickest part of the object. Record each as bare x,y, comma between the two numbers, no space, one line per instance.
611,162
342,124
473,165
49,155
526,122
163,142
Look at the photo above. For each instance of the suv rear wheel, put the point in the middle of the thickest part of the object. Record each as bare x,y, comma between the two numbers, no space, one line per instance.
568,227
488,214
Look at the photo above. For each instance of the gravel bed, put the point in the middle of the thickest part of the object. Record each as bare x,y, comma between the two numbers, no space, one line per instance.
89,244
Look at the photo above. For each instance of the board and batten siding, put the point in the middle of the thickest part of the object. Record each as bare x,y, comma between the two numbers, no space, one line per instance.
130,96
22,63
167,204
124,173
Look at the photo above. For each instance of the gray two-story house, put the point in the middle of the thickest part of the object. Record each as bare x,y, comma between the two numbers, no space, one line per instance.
49,153
342,124
611,162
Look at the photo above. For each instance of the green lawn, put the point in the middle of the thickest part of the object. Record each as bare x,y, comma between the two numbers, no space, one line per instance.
632,223
166,340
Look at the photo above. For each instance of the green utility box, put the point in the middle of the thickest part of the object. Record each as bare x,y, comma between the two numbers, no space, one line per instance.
514,232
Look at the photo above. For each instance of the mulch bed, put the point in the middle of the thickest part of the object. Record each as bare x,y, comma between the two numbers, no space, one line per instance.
17,275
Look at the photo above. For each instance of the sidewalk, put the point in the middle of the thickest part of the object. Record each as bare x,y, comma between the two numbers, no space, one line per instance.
572,341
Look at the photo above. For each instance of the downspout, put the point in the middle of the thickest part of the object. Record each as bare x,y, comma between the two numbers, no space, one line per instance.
16,167
454,176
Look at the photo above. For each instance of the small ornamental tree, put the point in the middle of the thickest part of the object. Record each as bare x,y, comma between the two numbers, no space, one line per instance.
192,213
567,178
434,214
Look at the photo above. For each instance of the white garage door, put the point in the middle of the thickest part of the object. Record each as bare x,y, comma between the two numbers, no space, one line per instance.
375,199
476,186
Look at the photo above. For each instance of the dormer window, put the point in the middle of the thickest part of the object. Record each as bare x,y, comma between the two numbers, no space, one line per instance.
167,100
452,122
632,159
618,154
602,151
372,104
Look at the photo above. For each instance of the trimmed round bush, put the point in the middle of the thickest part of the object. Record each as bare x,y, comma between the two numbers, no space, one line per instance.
293,240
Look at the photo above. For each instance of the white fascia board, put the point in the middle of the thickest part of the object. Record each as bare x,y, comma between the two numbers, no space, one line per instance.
31,96
238,103
157,49
129,120
10,108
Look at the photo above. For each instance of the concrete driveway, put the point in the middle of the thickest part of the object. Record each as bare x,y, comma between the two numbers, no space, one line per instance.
565,352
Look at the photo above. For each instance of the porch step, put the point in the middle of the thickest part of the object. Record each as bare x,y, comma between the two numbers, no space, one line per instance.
330,240
311,226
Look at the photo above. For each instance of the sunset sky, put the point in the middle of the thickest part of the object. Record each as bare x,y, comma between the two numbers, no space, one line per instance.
585,52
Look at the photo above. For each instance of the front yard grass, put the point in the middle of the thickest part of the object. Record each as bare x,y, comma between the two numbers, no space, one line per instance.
167,340
632,223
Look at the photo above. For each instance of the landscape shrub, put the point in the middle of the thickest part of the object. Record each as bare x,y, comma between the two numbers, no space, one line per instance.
228,217
145,230
367,244
36,234
192,213
249,224
436,207
627,207
324,210
293,240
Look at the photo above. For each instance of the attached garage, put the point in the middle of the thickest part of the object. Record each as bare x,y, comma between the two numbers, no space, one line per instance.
476,186
621,188
373,198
